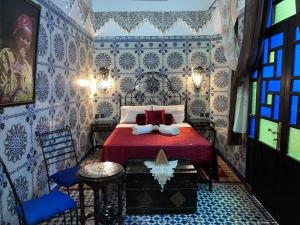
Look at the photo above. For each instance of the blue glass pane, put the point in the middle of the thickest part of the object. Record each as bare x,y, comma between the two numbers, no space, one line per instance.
296,86
254,75
279,63
263,92
297,34
266,51
269,23
274,85
252,127
276,40
294,110
297,61
268,71
276,107
265,111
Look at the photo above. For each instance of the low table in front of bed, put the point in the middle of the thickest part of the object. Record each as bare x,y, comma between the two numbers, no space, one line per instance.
122,145
144,195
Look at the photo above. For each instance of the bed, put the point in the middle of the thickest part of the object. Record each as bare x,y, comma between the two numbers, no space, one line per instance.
156,90
122,145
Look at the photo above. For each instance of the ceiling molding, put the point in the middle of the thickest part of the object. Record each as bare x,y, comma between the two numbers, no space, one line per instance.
158,6
162,21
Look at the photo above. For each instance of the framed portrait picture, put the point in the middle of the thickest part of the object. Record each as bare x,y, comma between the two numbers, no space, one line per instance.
19,26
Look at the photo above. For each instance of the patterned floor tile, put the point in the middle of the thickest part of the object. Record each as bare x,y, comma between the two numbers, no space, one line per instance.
228,203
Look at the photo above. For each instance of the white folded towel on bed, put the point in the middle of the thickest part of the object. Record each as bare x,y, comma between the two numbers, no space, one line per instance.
168,129
142,129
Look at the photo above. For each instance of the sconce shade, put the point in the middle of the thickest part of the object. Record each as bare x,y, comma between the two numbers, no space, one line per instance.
105,82
104,72
197,75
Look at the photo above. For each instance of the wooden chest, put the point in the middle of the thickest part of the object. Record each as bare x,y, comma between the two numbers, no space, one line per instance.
144,195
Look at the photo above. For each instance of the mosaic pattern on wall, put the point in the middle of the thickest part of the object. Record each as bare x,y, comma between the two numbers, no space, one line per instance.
219,85
65,52
235,155
162,21
130,57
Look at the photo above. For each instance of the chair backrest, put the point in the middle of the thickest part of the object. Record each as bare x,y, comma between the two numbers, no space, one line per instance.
16,197
57,147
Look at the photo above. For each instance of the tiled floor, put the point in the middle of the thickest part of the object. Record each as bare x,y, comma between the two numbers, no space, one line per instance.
228,203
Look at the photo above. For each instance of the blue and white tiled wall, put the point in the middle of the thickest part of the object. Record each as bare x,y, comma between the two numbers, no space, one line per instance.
220,79
65,53
68,52
129,57
236,155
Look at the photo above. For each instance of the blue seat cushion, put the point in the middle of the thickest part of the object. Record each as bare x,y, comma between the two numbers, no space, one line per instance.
46,206
66,178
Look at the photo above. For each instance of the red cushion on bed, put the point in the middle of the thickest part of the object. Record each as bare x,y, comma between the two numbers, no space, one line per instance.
169,119
141,119
155,117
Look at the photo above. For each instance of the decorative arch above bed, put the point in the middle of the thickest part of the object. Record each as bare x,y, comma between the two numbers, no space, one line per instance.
153,88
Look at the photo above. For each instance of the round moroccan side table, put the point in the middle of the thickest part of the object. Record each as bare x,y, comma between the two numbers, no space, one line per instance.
98,176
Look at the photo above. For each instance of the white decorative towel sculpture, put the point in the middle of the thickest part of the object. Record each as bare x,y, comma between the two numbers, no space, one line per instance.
168,129
145,129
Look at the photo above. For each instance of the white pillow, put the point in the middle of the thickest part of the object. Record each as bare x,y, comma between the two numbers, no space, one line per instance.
128,113
176,110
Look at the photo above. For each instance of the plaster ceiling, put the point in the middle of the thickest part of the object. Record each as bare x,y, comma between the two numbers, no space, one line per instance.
150,5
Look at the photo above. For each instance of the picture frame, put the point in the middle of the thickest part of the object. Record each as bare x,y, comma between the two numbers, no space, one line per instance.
19,30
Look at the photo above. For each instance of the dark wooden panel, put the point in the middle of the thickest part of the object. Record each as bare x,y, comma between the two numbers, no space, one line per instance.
155,201
138,176
266,172
144,195
289,197
134,181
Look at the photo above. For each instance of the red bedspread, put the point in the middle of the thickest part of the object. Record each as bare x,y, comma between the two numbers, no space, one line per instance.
122,145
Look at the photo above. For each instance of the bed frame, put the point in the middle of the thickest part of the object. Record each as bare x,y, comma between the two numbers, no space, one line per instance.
153,88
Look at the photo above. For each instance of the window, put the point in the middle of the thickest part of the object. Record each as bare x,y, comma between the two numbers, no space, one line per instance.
277,81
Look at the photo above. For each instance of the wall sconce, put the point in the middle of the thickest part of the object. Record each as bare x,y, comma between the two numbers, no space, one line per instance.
105,82
87,83
83,82
197,75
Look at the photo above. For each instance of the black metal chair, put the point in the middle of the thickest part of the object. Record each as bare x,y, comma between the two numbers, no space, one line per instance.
58,147
43,208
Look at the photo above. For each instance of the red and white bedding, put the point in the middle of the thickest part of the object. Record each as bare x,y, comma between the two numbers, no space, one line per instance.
122,145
